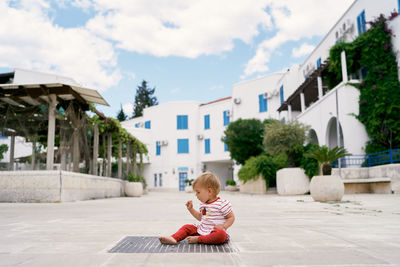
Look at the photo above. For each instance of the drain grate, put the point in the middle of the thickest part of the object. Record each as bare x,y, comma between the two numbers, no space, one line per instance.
151,244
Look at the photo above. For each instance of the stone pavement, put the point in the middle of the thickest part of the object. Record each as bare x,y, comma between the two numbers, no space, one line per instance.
270,230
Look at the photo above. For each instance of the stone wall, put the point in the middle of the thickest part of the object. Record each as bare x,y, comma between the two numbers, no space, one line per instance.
391,171
56,186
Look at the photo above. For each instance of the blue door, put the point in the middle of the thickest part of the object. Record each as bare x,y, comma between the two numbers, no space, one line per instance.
160,179
182,178
155,180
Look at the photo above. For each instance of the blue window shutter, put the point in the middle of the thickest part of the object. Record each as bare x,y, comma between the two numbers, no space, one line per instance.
226,118
206,122
178,122
183,146
318,62
136,125
363,22
265,104
262,103
207,146
158,148
358,24
181,122
147,125
225,147
281,94
185,122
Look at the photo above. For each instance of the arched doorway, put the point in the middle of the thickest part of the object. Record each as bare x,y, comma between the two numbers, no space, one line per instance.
331,134
313,138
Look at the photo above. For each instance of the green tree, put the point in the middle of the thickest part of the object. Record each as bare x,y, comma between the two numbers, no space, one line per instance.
143,98
244,139
121,116
3,149
285,138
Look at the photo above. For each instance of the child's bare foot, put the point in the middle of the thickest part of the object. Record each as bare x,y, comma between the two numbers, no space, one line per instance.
169,240
193,239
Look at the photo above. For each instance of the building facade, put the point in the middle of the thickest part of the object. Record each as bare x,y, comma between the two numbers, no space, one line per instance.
184,139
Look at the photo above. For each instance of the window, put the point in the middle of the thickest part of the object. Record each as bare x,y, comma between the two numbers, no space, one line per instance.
136,125
183,146
318,62
262,103
361,25
225,147
182,122
155,180
147,125
226,117
281,94
207,146
160,179
158,148
206,122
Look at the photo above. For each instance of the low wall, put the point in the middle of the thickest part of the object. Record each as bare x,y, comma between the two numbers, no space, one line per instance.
56,186
391,171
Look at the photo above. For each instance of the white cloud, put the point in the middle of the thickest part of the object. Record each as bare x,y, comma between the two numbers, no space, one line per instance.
303,50
130,75
128,108
294,20
216,87
175,90
187,28
30,40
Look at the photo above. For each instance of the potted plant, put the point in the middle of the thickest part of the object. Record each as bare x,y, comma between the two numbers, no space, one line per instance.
326,187
188,187
134,186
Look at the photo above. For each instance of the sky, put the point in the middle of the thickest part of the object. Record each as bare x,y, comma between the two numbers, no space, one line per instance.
187,49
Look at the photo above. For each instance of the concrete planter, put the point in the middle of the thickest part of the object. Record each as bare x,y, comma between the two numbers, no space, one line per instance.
231,188
254,186
134,189
189,189
292,181
327,188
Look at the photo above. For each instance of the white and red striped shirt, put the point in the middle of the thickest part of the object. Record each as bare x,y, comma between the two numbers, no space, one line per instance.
213,213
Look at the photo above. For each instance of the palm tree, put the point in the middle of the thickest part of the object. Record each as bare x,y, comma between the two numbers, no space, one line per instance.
326,156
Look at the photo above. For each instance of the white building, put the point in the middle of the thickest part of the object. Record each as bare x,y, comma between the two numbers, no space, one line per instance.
184,138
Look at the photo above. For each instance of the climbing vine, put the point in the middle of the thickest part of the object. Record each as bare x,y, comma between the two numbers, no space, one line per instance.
371,56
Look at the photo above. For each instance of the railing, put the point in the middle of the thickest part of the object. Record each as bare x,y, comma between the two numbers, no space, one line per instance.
385,157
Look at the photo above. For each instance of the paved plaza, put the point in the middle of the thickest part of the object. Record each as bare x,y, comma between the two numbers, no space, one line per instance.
270,230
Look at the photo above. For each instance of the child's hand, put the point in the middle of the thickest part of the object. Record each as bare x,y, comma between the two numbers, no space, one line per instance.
189,205
219,226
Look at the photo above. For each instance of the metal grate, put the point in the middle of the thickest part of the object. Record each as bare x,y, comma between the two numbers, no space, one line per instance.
151,244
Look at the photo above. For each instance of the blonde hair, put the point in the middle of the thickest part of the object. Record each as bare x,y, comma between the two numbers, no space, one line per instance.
208,180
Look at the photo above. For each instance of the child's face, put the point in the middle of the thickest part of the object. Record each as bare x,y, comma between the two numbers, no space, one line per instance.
203,193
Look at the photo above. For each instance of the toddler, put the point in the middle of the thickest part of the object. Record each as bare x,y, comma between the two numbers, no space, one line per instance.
215,215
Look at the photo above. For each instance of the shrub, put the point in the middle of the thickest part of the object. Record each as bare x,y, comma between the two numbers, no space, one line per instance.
264,165
231,182
309,165
136,178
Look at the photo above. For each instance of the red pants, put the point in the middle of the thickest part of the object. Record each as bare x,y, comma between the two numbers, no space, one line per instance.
217,236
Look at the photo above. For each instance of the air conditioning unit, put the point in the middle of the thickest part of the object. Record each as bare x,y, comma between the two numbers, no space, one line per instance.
164,142
347,26
200,137
267,95
158,143
275,92
141,124
237,101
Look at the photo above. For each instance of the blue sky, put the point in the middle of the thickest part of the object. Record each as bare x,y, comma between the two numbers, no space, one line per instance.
187,49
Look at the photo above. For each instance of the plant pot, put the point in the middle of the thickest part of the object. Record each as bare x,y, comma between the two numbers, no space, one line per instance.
231,188
133,189
327,188
189,189
256,186
292,181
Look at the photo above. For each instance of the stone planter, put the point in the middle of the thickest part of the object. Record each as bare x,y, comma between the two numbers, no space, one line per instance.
292,181
327,188
254,186
134,189
189,189
231,188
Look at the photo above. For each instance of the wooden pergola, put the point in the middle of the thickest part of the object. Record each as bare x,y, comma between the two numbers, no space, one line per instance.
32,109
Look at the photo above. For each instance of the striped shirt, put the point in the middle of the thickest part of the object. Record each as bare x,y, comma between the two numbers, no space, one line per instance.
213,214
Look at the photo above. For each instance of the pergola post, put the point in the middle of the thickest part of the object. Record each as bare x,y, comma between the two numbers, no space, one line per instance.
75,151
34,152
302,102
51,132
120,159
95,149
63,150
290,112
128,158
109,154
104,173
12,150
344,67
320,92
